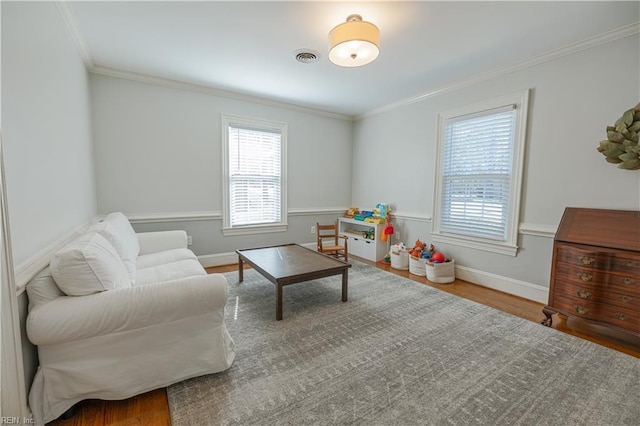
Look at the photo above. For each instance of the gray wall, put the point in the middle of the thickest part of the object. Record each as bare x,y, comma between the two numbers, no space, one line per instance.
158,150
46,127
573,99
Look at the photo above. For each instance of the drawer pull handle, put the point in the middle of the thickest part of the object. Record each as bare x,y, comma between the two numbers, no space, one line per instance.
626,299
583,294
620,316
581,310
587,260
586,277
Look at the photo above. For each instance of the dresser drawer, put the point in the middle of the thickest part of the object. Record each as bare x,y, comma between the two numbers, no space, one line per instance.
599,259
594,292
595,271
610,314
596,280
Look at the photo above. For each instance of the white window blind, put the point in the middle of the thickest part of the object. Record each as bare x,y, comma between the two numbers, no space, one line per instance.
255,176
476,174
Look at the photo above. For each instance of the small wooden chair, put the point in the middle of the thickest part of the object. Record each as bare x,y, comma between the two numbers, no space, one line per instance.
327,238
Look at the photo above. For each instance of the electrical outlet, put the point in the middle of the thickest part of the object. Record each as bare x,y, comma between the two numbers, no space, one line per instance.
397,235
189,240
313,229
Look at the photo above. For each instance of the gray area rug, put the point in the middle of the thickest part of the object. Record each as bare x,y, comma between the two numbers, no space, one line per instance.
400,353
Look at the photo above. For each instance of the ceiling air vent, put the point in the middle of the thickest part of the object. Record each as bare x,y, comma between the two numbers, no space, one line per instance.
307,56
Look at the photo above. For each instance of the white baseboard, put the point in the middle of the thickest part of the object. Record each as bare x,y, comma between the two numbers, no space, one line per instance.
231,258
523,289
221,259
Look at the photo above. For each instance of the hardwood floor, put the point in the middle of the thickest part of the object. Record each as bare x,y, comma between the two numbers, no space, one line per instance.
152,408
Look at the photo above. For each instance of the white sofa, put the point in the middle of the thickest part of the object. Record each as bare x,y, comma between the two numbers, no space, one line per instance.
117,314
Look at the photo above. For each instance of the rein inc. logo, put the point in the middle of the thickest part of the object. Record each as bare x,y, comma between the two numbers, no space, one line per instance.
13,420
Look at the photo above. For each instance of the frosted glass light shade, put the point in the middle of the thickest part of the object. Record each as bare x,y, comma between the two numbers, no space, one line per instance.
354,43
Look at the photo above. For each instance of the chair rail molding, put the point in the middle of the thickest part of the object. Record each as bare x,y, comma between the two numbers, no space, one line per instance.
217,214
547,231
173,216
312,211
30,267
418,217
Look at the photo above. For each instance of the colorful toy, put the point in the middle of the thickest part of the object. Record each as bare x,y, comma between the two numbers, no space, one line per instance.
437,257
388,229
417,249
351,212
397,248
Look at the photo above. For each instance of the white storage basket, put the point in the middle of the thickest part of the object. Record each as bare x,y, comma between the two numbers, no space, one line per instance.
417,266
400,261
441,272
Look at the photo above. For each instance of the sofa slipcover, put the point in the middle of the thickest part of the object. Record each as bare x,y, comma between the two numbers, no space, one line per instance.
166,327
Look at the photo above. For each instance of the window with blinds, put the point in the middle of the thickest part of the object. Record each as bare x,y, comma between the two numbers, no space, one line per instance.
479,174
476,174
254,174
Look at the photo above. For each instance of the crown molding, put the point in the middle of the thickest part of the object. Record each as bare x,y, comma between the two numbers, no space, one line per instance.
210,90
69,18
619,33
71,22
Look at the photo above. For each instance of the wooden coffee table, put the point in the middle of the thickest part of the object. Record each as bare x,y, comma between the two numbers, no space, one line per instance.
290,264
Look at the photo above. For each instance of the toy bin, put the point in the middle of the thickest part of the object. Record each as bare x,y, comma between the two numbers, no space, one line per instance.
417,266
400,261
441,272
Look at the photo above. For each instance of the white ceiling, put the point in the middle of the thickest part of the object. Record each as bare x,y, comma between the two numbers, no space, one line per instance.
248,47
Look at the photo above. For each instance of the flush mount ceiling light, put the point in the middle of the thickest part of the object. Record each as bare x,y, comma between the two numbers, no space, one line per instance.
354,43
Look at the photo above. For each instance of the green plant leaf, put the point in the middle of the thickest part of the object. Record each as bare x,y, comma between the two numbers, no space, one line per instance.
627,117
615,136
628,156
630,164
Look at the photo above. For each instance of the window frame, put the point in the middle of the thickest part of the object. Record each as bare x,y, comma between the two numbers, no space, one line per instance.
229,120
520,102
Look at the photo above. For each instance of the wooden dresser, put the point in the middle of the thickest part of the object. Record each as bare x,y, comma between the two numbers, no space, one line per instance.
595,271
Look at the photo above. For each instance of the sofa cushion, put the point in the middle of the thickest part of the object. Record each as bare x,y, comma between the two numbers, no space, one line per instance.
88,265
118,231
162,257
169,271
43,288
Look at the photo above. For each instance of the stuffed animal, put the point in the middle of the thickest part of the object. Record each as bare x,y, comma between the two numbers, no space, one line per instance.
398,248
417,249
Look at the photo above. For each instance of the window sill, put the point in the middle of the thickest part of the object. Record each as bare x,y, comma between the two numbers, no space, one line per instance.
254,229
475,243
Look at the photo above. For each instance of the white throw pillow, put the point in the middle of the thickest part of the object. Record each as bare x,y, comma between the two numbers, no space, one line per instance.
119,232
88,265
